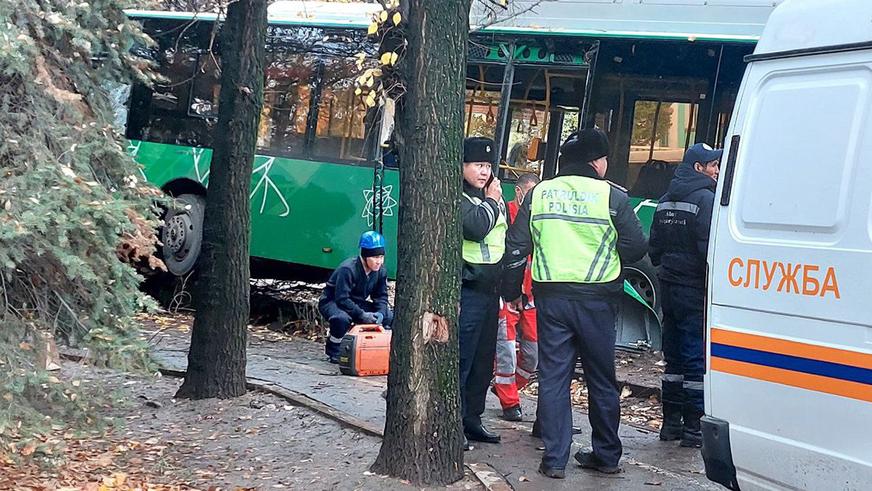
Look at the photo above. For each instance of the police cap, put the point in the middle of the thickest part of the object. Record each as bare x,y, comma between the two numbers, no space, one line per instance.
479,149
584,146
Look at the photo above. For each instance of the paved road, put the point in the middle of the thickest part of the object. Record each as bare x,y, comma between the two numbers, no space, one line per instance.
298,365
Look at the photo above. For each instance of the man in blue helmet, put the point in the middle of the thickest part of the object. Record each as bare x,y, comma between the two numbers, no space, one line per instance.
357,293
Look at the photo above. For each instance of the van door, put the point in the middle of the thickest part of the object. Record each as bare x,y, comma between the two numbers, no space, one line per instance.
790,313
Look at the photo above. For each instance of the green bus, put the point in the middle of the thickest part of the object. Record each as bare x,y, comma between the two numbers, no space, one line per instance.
657,75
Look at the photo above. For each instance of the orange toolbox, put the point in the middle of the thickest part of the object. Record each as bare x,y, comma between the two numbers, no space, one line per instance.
365,350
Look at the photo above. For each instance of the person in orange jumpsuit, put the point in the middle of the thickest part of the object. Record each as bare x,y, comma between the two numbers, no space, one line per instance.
517,350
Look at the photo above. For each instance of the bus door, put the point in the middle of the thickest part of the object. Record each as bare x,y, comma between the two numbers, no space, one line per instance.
525,94
656,98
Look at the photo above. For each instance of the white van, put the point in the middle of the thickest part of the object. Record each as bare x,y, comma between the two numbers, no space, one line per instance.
789,314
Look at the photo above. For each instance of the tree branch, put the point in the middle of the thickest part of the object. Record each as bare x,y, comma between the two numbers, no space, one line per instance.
492,18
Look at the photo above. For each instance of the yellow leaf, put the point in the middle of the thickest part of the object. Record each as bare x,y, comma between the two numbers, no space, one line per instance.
376,72
370,81
397,18
385,59
120,478
357,91
394,58
383,16
370,99
373,28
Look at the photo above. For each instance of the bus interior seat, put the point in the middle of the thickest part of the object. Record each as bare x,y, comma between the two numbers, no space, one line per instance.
653,179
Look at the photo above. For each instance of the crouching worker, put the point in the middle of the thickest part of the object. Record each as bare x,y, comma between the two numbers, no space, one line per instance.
357,293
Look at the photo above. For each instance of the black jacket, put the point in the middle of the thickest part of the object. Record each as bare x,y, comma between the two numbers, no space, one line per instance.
679,234
631,245
478,221
349,287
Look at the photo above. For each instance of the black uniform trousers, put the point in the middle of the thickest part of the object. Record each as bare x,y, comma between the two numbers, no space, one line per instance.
479,318
582,326
683,349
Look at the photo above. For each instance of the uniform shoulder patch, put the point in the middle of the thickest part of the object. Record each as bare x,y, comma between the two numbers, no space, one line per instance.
619,188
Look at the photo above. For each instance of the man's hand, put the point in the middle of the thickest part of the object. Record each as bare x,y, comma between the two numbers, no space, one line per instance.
516,305
494,190
369,318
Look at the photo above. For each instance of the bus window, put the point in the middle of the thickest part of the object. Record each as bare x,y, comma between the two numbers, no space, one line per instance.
206,88
481,110
661,132
171,111
527,122
341,128
286,94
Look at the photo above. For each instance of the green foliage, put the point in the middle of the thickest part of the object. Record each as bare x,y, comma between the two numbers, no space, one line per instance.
70,195
643,122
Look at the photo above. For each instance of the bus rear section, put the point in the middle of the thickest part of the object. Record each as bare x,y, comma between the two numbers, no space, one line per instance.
789,315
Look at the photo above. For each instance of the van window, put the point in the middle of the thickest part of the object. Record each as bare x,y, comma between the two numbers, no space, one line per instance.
801,146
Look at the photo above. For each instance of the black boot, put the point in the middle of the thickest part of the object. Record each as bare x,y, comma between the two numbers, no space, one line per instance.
479,433
513,414
673,398
671,429
691,436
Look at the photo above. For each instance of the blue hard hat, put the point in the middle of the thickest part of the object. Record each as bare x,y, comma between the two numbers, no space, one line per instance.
372,240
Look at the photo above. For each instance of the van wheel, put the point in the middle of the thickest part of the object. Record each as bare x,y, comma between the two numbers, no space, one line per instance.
642,276
182,233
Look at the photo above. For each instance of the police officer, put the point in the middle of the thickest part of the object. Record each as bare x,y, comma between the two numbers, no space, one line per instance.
484,231
357,292
580,229
679,241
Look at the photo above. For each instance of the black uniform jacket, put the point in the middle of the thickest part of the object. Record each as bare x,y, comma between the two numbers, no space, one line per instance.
680,231
478,221
349,287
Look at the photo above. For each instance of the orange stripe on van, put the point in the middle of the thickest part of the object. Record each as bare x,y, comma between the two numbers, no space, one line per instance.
791,348
801,380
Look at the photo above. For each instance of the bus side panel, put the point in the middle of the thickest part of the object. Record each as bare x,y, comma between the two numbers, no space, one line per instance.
789,338
162,163
312,213
303,212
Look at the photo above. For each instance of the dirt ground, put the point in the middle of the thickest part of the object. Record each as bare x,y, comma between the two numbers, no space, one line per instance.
257,441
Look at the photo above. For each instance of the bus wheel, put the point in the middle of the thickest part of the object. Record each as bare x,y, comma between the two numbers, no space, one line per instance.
642,276
182,234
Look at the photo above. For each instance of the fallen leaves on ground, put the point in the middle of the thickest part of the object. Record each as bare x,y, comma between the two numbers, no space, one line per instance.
639,411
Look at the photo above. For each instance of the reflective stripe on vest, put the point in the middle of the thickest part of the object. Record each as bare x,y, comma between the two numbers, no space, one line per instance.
573,235
491,249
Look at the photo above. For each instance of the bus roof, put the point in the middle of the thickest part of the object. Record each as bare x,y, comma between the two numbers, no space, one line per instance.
808,24
715,20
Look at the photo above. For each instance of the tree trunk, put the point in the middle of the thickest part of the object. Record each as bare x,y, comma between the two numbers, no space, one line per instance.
216,361
423,438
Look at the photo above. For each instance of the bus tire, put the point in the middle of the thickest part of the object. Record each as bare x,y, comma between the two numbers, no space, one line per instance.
642,276
182,233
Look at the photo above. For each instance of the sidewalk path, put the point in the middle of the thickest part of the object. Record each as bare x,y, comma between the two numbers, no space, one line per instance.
299,366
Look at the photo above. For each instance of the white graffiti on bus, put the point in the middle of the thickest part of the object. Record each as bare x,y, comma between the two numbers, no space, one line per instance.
268,185
388,203
198,154
133,150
